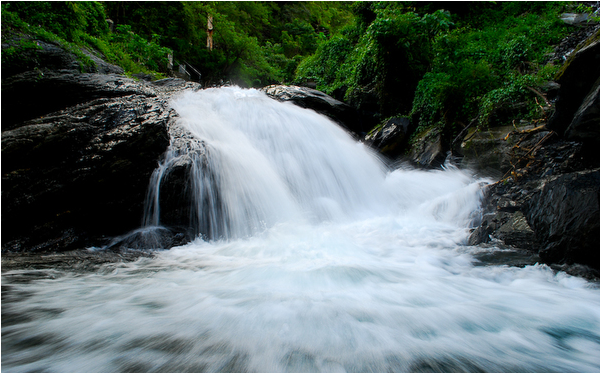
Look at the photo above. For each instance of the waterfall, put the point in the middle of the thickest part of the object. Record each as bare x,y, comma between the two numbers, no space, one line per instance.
252,162
310,255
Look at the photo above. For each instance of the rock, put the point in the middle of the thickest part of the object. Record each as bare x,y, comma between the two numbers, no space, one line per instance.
577,79
565,214
26,54
79,147
585,125
31,94
318,101
550,209
575,19
75,175
148,239
487,151
511,228
391,139
493,151
428,149
187,156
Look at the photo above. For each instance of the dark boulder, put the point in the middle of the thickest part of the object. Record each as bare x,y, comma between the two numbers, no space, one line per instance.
548,206
578,79
428,149
390,139
318,101
31,94
71,177
585,125
148,239
187,157
79,146
565,214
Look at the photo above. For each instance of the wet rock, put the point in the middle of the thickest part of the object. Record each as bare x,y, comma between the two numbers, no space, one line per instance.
428,149
487,150
148,239
578,80
318,101
504,219
495,151
548,207
565,214
74,176
585,125
32,94
575,19
79,146
187,153
44,265
391,139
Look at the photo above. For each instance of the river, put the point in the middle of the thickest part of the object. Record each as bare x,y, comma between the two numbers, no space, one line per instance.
313,255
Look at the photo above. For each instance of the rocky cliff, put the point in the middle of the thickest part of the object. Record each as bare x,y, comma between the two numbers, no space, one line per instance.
548,199
78,148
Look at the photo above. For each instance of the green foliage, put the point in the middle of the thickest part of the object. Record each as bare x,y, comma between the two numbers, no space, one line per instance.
74,25
68,20
489,72
18,52
385,53
254,43
144,52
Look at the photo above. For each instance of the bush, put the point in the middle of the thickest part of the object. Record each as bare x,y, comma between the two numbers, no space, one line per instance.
385,54
489,73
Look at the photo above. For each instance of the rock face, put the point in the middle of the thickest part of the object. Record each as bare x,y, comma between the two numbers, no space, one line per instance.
549,206
391,139
565,213
318,101
78,151
428,149
548,202
577,104
80,171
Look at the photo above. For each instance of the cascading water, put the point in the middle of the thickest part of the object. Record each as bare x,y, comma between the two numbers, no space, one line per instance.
312,258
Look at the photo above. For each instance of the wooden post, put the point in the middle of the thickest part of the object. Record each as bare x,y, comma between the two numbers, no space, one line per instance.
209,31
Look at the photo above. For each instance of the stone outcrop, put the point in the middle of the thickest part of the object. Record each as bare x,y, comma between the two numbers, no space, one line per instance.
428,149
391,139
577,103
548,200
548,207
79,147
565,214
80,172
318,101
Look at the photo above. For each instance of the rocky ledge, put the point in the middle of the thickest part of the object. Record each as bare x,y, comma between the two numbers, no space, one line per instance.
79,146
548,199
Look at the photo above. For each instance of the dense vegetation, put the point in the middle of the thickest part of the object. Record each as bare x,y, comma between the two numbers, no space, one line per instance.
255,43
443,64
441,67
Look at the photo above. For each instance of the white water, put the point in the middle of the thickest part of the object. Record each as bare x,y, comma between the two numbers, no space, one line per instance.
329,263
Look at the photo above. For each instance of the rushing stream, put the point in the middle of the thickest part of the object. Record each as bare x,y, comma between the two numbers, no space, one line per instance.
312,257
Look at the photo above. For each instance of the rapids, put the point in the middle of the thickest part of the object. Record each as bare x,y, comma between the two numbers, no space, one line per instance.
312,256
